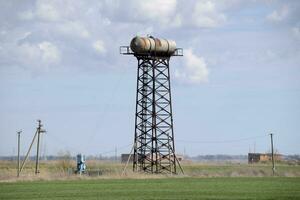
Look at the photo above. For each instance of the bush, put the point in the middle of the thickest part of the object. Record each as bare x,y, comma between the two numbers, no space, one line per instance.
65,160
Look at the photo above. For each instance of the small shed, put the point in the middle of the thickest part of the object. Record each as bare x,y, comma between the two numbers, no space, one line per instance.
258,157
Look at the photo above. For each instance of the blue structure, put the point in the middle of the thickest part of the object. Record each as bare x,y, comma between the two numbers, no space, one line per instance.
81,166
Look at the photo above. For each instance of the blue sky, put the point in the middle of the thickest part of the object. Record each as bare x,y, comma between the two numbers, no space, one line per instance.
239,78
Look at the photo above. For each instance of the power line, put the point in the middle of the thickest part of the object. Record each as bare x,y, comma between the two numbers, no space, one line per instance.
221,141
114,150
107,105
102,153
73,148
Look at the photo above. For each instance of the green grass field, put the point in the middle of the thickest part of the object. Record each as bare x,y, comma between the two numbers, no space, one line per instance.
200,181
163,188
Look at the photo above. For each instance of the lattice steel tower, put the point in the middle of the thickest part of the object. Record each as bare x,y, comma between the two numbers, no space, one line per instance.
154,149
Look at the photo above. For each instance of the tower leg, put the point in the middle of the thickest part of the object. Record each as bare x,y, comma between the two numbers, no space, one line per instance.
154,150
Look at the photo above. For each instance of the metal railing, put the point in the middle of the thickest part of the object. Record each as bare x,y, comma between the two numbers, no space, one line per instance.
126,50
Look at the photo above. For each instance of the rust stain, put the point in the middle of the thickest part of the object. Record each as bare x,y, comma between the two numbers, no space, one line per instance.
144,42
157,42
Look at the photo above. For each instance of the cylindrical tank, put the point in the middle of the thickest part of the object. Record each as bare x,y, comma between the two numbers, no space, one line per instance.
144,45
81,166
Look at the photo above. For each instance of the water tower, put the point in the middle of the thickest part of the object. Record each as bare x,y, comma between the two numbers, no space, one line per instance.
154,148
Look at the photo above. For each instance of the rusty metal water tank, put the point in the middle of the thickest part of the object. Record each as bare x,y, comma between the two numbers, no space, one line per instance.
144,45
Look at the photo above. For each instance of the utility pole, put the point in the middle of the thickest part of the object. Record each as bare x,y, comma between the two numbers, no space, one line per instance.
18,172
27,154
272,151
39,131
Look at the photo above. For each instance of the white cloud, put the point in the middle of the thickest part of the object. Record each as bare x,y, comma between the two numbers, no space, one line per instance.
146,31
279,15
177,21
136,11
26,15
24,36
296,32
195,70
156,9
41,54
47,11
74,28
83,29
206,15
99,46
49,52
54,33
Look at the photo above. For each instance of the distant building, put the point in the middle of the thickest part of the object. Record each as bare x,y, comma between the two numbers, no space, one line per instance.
258,157
125,156
180,157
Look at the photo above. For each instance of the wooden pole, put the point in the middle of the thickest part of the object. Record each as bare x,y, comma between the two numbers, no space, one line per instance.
39,130
18,172
38,149
27,154
272,150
